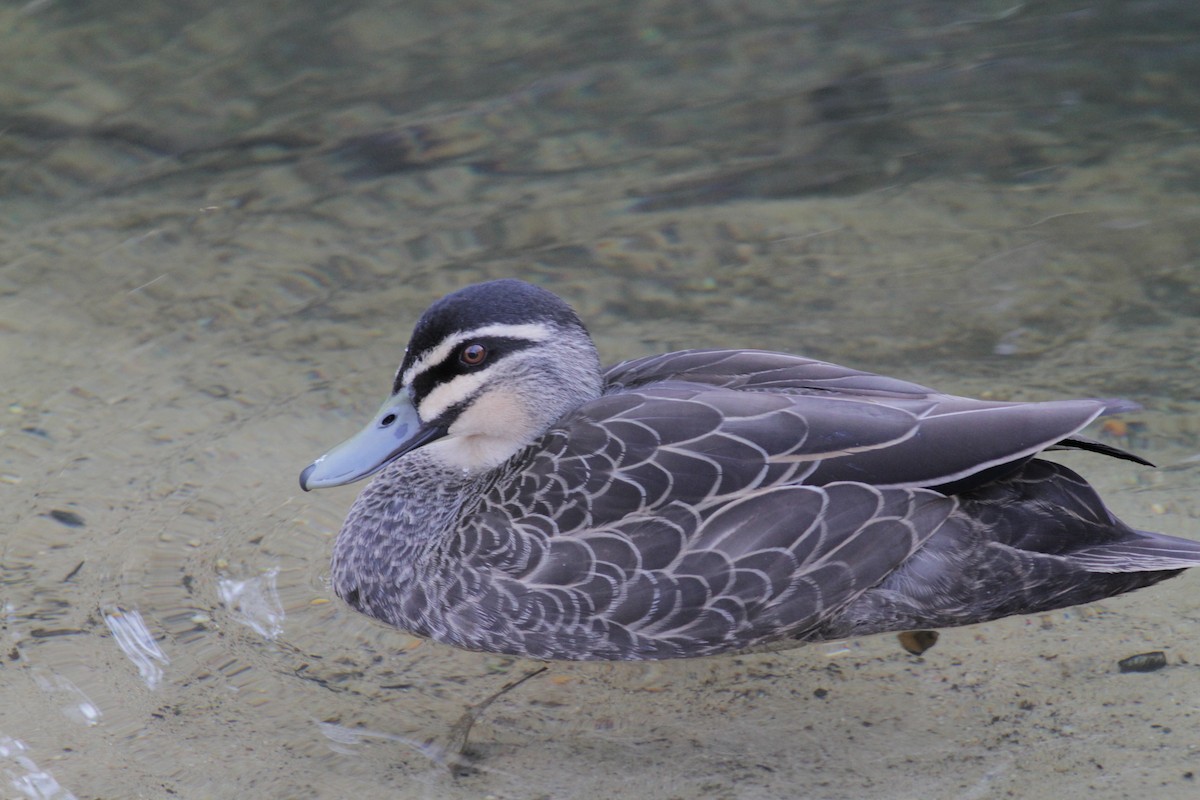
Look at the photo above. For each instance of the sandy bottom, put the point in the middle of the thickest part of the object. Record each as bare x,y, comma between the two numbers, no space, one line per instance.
183,329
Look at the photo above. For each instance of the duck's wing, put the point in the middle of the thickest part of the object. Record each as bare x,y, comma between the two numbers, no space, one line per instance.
845,424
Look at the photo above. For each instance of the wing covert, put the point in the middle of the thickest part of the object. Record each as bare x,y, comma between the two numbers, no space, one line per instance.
773,563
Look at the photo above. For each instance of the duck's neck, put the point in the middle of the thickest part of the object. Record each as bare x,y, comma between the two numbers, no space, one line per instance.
399,522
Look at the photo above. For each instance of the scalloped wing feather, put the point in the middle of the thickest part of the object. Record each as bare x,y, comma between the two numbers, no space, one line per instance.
768,565
846,424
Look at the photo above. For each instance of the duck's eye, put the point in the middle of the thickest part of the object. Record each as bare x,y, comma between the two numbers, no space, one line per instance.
473,355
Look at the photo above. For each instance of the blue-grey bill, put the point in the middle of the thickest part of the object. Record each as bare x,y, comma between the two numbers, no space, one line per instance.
394,430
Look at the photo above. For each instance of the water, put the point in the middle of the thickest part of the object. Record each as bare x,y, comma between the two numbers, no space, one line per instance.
220,221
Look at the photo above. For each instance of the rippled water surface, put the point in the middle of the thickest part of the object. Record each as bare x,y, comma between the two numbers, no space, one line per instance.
218,222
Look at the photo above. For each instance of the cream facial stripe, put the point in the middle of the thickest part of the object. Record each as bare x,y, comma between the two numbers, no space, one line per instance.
446,395
530,331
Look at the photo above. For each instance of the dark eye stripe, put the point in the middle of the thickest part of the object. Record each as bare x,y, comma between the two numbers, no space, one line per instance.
450,367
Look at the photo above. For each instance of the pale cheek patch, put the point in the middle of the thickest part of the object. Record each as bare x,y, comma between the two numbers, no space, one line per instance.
486,434
500,411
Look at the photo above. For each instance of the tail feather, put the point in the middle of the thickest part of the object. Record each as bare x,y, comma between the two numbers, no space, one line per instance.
1092,446
1142,551
1036,541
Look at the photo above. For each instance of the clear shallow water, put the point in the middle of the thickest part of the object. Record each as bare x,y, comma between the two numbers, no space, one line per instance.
219,224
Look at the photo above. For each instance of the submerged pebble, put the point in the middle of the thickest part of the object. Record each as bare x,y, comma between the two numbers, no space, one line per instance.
68,518
1143,662
917,642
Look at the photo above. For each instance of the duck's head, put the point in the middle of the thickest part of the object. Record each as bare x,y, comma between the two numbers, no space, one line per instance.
488,369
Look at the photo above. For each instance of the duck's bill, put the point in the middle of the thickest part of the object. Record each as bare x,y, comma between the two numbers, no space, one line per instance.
394,430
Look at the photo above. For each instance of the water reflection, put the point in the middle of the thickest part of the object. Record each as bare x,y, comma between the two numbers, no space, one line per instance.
137,643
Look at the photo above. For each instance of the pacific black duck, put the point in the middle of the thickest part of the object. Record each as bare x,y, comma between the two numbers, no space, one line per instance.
528,502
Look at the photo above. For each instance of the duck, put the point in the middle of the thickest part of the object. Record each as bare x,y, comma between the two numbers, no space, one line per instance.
526,501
